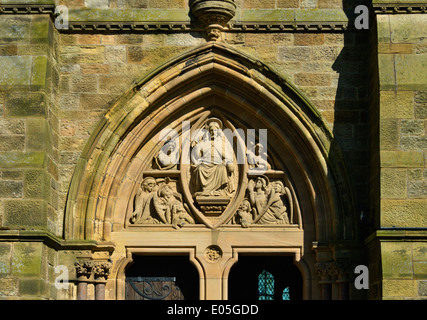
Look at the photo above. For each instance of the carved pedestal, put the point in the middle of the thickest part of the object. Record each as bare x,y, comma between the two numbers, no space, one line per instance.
212,206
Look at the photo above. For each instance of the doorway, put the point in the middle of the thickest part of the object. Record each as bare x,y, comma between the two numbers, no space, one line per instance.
261,277
152,277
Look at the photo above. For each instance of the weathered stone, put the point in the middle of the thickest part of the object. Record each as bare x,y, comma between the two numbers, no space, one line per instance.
38,72
410,71
33,287
422,288
11,189
417,189
408,28
16,70
37,184
14,28
386,72
403,213
37,134
17,159
411,127
82,54
413,143
27,259
25,104
383,28
389,134
84,83
294,53
97,4
397,104
392,48
397,260
5,255
313,79
308,39
40,29
399,288
8,287
10,143
25,214
393,183
8,50
115,54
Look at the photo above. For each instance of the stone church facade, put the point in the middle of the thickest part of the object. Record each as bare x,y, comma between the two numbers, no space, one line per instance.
198,149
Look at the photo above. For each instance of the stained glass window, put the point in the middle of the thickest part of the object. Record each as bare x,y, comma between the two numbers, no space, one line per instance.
285,294
265,286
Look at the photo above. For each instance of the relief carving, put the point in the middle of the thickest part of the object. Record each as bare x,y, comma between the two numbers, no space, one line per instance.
156,204
204,188
212,162
168,156
266,199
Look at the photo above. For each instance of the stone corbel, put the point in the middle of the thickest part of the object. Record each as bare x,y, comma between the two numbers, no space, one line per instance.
214,15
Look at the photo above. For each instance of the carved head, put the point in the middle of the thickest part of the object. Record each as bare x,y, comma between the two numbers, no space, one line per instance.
165,191
279,187
148,184
214,126
245,205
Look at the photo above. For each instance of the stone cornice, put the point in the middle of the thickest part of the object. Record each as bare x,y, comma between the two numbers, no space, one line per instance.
177,20
53,241
399,8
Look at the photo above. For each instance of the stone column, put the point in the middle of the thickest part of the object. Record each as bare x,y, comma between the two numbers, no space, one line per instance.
101,272
341,283
323,271
83,270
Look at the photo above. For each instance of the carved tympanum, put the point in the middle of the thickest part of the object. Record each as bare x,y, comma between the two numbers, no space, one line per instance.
206,188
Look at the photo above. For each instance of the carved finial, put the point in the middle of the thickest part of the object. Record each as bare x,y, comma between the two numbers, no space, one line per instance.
214,15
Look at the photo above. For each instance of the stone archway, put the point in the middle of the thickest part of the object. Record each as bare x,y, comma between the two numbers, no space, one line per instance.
212,82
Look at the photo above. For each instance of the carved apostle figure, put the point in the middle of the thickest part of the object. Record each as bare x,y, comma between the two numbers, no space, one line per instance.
169,207
257,159
266,198
143,199
275,210
168,155
212,162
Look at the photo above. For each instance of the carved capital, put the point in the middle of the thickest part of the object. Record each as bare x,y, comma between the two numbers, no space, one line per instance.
84,269
102,269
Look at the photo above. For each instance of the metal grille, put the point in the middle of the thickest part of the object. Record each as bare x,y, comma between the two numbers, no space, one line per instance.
152,288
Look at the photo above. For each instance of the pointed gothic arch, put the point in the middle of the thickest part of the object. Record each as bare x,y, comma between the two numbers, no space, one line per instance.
208,76
213,80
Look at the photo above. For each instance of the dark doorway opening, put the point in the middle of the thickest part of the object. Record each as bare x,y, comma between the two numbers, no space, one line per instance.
261,277
152,277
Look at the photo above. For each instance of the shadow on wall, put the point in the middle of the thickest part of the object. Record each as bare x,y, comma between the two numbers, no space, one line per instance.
351,112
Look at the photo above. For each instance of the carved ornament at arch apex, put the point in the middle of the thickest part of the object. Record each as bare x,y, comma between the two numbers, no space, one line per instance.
211,173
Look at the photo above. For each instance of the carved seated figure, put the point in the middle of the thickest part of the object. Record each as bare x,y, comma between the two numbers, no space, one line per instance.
212,162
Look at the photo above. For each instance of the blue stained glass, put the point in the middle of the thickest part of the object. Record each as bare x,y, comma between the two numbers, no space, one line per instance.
265,286
285,294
